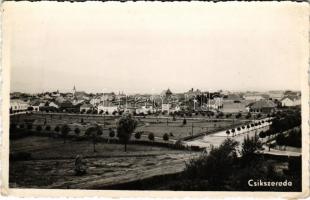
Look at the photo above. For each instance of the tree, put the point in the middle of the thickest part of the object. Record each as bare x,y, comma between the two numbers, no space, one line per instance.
262,134
77,131
227,132
233,131
166,137
138,135
250,145
184,121
57,129
94,132
125,127
151,136
48,128
248,116
280,139
65,129
111,132
215,166
238,115
39,128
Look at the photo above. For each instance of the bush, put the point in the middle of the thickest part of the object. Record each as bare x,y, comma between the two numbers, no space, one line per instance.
57,129
238,115
39,128
184,121
215,166
166,137
138,135
262,134
48,128
151,136
111,132
77,131
238,129
250,146
248,116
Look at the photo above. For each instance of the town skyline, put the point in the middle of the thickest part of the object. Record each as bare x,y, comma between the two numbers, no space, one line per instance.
156,92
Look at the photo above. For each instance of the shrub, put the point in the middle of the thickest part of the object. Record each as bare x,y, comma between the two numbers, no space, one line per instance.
48,128
238,115
184,121
57,129
166,137
151,136
262,134
238,129
215,166
171,134
39,128
111,132
77,131
248,116
250,146
138,135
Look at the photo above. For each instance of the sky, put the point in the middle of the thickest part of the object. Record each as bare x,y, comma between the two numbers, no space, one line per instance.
148,47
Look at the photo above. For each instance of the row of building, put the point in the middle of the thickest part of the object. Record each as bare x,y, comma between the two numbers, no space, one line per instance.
167,101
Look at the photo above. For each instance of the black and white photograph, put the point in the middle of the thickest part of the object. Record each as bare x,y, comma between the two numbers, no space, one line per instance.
142,96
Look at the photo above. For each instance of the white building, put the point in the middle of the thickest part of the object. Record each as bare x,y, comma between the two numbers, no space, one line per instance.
53,104
17,105
165,107
95,101
291,101
145,110
107,108
86,107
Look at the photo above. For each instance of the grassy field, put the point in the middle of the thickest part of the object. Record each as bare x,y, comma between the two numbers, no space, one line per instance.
158,126
52,163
